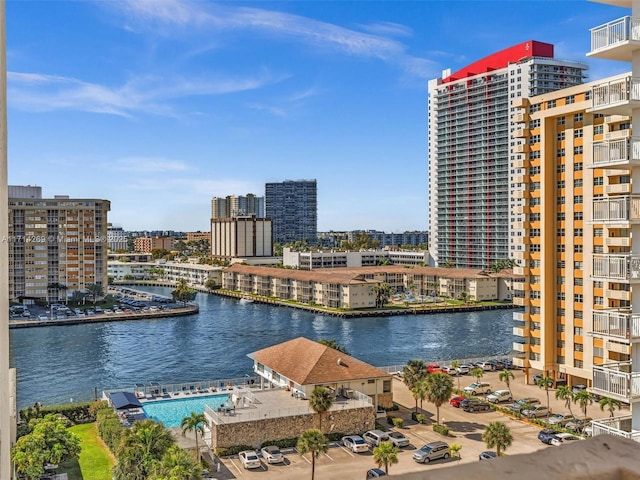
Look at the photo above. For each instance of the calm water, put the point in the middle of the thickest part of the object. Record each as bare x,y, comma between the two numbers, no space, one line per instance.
55,364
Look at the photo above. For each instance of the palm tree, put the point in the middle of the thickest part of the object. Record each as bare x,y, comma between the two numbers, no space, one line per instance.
454,449
506,376
384,455
455,364
194,423
610,404
320,401
545,382
498,435
565,393
419,391
439,389
314,442
177,464
477,372
95,290
140,448
413,371
383,293
583,398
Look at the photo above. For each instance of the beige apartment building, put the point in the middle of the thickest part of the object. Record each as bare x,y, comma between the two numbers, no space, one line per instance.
148,244
57,245
240,237
580,237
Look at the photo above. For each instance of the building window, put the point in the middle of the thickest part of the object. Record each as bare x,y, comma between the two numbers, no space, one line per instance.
598,300
577,167
560,248
551,104
560,168
577,200
578,150
570,99
578,265
560,216
578,281
560,232
561,360
578,331
560,344
560,201
533,139
597,181
534,108
598,232
578,117
560,136
578,364
560,152
561,184
534,248
560,312
598,130
560,327
577,133
578,347
386,386
560,296
577,183
577,215
577,314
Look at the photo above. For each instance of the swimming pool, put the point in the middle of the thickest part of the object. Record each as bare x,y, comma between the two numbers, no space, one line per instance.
171,412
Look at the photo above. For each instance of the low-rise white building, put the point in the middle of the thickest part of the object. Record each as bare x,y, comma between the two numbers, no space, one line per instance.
362,258
170,272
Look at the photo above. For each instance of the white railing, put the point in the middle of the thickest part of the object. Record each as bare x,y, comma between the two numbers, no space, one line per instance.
617,31
618,426
616,209
616,380
619,150
616,267
615,91
617,324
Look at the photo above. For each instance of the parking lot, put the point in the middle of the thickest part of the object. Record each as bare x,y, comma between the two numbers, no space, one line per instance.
465,429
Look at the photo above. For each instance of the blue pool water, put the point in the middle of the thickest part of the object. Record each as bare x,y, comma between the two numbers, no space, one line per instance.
171,412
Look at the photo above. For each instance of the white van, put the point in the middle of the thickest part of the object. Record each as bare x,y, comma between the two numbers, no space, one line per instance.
375,437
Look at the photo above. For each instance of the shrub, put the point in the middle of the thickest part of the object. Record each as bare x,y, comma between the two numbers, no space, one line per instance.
419,417
75,412
398,422
441,429
228,451
392,408
283,443
109,428
334,436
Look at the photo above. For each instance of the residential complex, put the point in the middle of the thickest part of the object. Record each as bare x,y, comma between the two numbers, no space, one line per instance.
386,239
57,245
352,288
169,272
292,206
470,119
363,258
117,238
580,264
148,244
242,236
237,206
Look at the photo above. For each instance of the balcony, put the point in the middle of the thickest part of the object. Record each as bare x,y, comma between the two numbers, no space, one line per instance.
520,347
618,426
520,132
616,152
616,267
618,295
521,148
616,96
616,40
617,241
616,380
622,209
521,331
520,117
616,324
617,188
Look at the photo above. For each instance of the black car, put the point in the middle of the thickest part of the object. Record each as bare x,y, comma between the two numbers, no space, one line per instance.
475,405
375,473
488,455
546,435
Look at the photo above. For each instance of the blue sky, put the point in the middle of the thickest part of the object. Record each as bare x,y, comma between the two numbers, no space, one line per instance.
159,105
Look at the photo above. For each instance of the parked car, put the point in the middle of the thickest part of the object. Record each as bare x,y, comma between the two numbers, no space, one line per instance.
546,435
560,419
488,455
578,425
474,405
249,459
464,369
455,401
375,473
355,443
578,388
486,366
42,317
375,437
432,451
398,439
561,438
450,370
523,404
536,411
500,396
434,368
478,387
272,454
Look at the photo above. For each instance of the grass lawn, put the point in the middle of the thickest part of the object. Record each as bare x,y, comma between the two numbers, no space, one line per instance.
95,462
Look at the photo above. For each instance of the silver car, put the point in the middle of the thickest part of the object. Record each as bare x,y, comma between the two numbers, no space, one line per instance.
398,439
432,451
272,454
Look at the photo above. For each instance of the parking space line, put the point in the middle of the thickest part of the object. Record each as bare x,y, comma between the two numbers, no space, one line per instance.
327,455
236,467
346,450
306,459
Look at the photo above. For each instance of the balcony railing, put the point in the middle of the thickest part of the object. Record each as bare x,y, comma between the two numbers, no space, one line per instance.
616,267
615,32
615,92
617,209
621,325
618,426
616,151
616,380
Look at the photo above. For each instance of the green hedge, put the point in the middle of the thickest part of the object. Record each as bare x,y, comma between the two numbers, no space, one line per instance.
109,428
75,412
228,451
284,443
393,408
398,422
441,429
419,417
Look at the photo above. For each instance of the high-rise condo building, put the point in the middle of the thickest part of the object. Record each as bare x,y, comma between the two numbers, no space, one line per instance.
581,229
292,205
56,245
470,119
237,206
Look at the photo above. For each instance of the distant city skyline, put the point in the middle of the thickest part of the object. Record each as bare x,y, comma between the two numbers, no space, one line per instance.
158,106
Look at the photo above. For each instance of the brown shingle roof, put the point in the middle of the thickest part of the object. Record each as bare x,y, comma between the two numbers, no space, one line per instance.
337,275
309,363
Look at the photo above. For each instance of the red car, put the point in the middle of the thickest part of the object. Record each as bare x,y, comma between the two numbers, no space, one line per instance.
434,368
455,401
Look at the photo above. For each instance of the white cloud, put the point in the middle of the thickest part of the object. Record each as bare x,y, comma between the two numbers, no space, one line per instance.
388,28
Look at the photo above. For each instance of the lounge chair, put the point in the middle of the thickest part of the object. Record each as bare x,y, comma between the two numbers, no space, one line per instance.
192,389
165,393
185,391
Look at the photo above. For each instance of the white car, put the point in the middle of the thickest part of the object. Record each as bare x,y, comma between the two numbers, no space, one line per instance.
272,454
478,387
355,443
561,438
500,396
42,317
398,439
249,459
